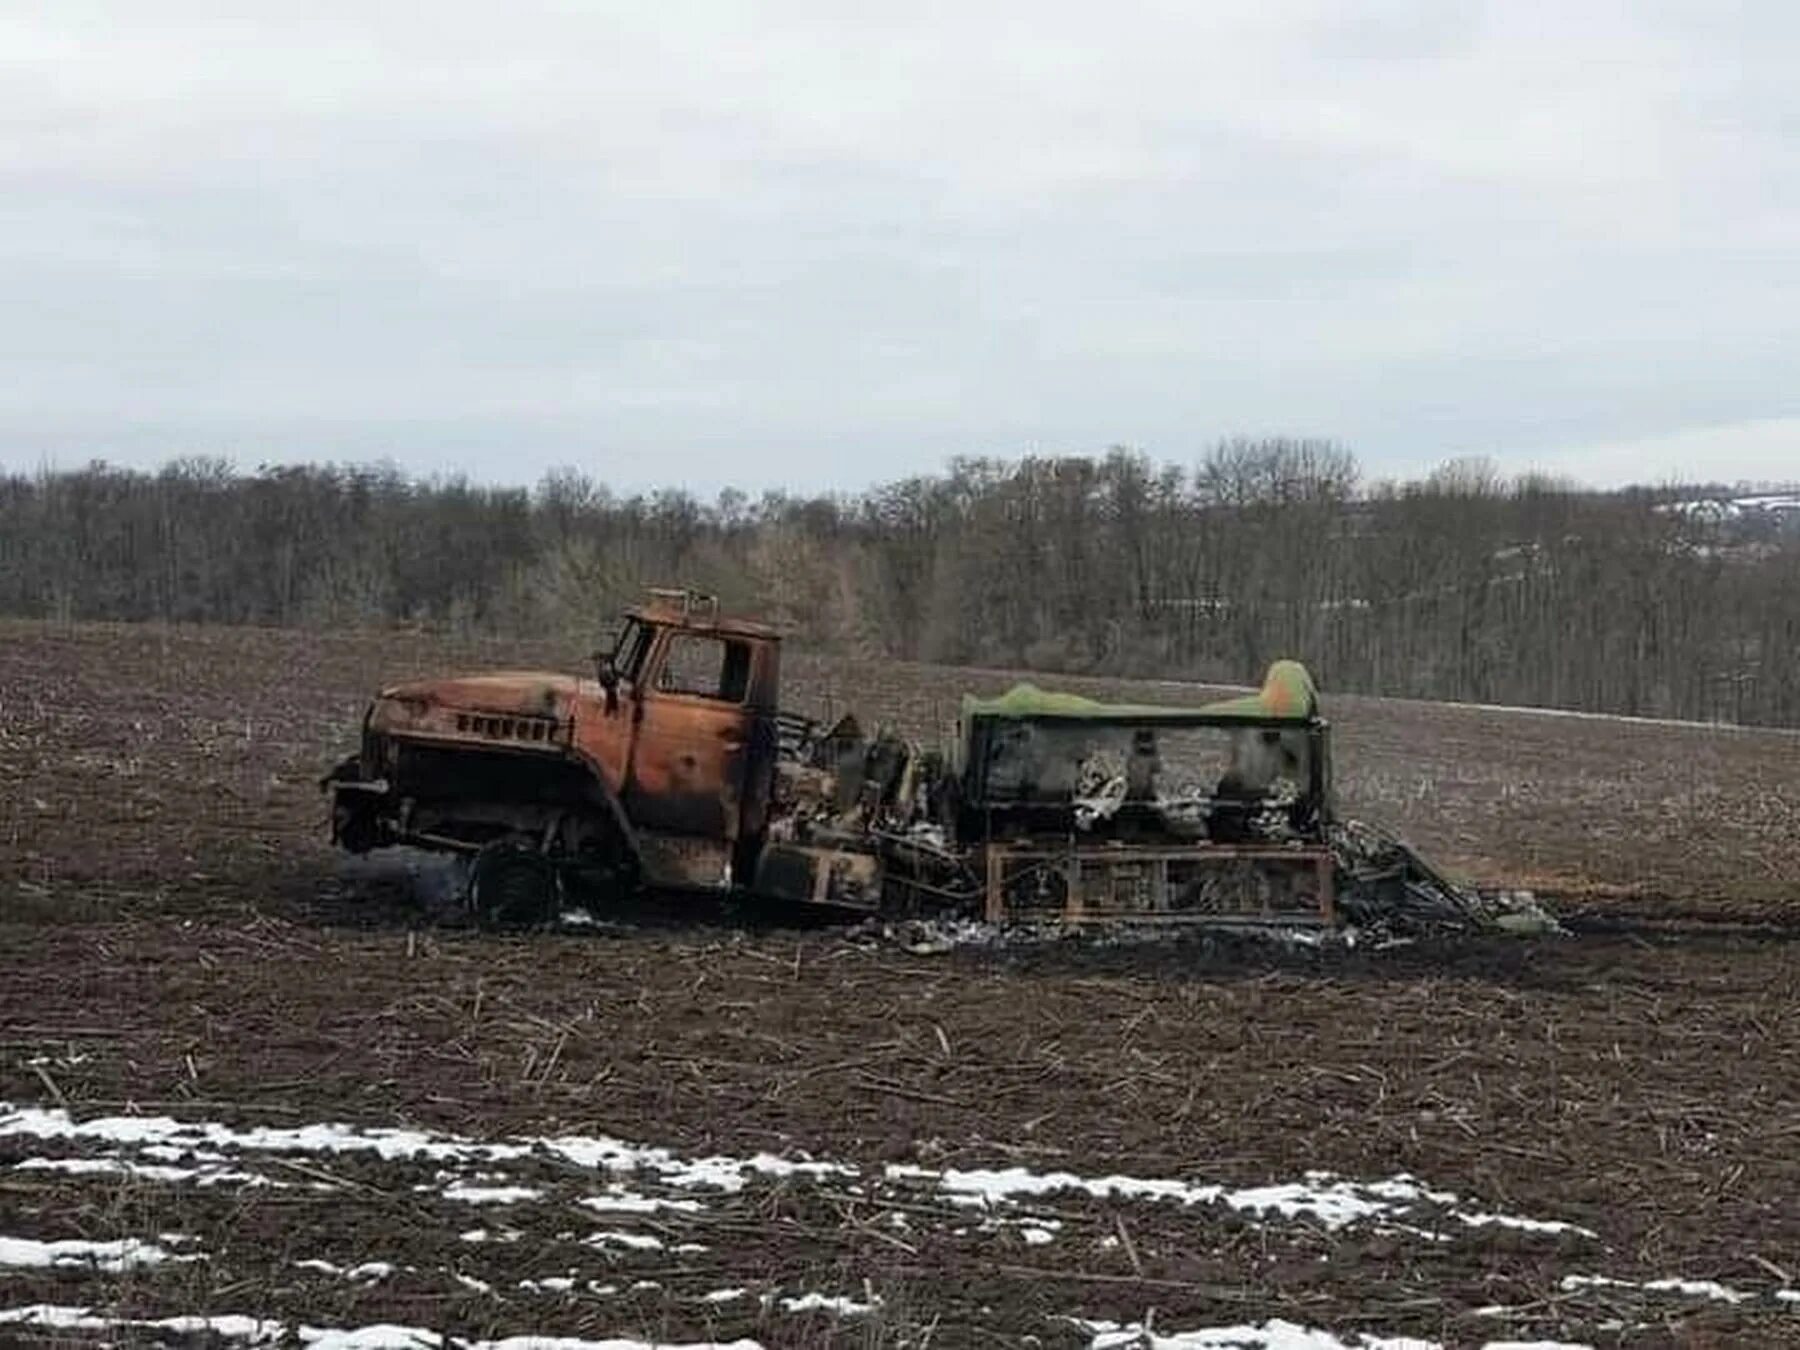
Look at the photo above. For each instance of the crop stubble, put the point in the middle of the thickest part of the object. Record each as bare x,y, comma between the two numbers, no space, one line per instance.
175,936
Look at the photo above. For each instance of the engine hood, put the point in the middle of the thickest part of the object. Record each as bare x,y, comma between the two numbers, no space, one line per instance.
523,693
535,707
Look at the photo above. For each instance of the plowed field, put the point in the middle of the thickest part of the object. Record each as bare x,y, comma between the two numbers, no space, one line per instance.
249,1092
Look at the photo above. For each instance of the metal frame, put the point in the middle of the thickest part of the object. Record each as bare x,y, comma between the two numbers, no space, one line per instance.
1075,862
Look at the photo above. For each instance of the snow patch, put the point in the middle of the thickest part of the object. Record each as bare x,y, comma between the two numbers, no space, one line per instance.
166,1132
63,1318
203,1176
1523,1225
122,1254
1333,1202
176,1139
619,1201
838,1305
366,1272
1707,1289
1275,1334
490,1195
474,1171
382,1336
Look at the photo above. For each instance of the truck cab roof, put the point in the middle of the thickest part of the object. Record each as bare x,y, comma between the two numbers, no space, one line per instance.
691,610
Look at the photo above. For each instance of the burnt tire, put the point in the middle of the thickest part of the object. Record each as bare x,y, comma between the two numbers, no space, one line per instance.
355,828
513,887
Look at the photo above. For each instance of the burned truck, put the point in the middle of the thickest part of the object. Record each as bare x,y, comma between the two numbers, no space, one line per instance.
657,771
672,768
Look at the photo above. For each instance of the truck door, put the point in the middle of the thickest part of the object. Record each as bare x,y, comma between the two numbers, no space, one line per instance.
608,722
689,754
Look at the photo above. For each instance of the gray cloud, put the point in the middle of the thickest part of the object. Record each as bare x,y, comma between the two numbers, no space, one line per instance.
693,243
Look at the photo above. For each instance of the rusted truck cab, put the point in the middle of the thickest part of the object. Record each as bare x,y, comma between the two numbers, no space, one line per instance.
684,737
657,770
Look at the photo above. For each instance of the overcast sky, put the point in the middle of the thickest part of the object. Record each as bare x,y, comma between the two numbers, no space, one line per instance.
824,244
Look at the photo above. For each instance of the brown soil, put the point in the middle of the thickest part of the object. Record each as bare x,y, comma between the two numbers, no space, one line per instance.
175,938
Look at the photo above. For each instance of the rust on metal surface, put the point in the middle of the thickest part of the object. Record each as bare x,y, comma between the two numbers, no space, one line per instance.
685,862
668,753
845,878
1288,884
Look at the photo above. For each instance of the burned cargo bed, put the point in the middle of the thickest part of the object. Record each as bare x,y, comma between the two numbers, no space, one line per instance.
1087,812
1290,885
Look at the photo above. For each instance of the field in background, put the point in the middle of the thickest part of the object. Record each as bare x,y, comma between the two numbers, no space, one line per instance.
197,752
718,1129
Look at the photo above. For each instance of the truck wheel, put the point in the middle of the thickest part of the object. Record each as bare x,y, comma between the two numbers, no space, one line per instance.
355,828
513,887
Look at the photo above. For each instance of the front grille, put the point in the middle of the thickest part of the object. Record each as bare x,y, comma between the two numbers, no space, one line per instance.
529,730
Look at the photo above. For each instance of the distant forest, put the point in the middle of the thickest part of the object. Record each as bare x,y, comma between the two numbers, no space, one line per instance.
1463,585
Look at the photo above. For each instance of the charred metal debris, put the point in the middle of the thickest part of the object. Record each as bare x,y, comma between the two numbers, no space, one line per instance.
673,768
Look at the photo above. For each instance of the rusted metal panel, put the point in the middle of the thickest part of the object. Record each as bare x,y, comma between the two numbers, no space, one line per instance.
844,878
1028,758
699,747
534,712
685,862
994,903
1194,884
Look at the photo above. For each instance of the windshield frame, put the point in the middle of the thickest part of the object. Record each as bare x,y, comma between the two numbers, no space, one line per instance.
631,649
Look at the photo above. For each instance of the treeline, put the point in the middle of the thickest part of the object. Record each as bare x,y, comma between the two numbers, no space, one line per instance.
1460,586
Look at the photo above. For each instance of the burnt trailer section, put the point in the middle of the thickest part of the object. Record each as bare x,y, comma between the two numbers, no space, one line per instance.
1079,812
